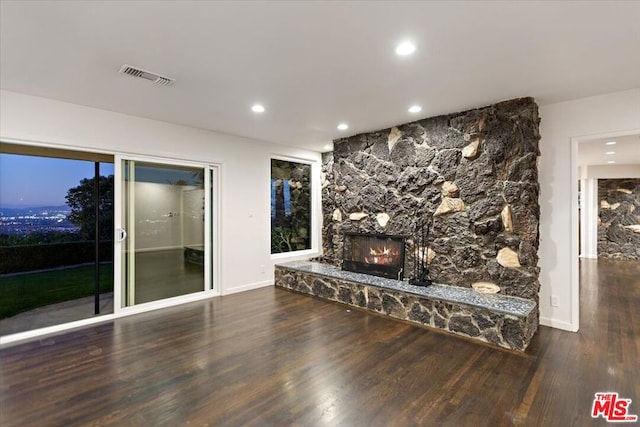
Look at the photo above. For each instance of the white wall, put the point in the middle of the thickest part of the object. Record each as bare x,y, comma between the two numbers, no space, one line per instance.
562,126
589,218
245,169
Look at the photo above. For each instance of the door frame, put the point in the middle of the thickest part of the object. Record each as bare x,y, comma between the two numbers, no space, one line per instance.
211,283
577,227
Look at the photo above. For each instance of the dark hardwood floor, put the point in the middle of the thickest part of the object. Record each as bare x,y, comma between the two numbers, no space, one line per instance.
272,358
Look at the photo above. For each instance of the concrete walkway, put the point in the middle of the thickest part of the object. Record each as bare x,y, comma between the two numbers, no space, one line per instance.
56,314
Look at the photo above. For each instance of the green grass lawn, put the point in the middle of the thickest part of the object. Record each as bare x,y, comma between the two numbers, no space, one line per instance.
28,291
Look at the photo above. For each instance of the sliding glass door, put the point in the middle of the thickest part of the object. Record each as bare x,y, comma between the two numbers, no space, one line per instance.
164,231
56,236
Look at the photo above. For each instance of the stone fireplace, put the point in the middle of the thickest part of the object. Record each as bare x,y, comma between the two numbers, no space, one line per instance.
376,254
473,178
474,173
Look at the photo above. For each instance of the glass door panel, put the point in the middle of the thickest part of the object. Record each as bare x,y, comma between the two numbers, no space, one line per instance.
163,229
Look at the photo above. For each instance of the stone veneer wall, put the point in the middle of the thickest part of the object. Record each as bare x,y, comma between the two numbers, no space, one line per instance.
475,172
619,218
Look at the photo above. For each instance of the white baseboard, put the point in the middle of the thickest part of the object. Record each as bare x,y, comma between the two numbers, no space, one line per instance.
248,287
51,330
557,324
589,256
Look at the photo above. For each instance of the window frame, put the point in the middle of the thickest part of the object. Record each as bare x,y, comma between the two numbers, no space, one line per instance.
316,210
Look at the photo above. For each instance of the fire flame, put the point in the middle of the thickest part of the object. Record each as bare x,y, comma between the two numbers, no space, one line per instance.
382,255
383,251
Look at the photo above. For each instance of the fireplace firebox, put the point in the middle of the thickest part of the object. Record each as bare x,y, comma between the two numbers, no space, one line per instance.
376,254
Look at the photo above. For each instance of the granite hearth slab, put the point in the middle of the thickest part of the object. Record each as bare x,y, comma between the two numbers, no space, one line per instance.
501,320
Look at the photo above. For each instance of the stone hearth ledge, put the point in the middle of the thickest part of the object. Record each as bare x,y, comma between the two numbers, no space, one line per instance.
502,320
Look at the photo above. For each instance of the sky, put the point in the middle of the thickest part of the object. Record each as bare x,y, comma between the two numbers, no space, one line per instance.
30,181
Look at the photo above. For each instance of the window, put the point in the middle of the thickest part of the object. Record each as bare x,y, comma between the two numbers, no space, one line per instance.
290,206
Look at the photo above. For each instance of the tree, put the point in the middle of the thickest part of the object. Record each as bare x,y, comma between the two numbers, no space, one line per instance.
81,201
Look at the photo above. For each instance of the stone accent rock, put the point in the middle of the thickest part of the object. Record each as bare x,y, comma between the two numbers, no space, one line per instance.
382,219
337,215
606,205
486,287
409,171
357,216
507,219
394,136
619,218
449,189
471,150
427,256
448,205
635,228
507,257
431,254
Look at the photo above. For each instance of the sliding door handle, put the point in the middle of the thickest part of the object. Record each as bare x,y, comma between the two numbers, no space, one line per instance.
120,235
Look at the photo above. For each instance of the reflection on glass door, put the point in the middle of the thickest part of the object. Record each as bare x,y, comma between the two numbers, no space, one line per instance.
163,229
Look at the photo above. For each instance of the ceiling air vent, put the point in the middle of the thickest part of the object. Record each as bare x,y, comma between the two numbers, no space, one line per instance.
147,75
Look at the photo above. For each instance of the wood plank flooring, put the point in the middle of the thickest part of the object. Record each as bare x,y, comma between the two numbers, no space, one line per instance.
273,358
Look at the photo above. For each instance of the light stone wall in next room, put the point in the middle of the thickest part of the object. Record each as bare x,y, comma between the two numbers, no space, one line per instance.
619,218
474,172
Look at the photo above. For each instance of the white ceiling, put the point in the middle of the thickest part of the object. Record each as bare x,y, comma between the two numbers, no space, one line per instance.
625,151
315,64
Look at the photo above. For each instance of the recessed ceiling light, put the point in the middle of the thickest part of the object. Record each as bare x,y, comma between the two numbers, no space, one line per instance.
415,109
343,126
610,152
611,161
610,143
405,48
328,147
257,108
